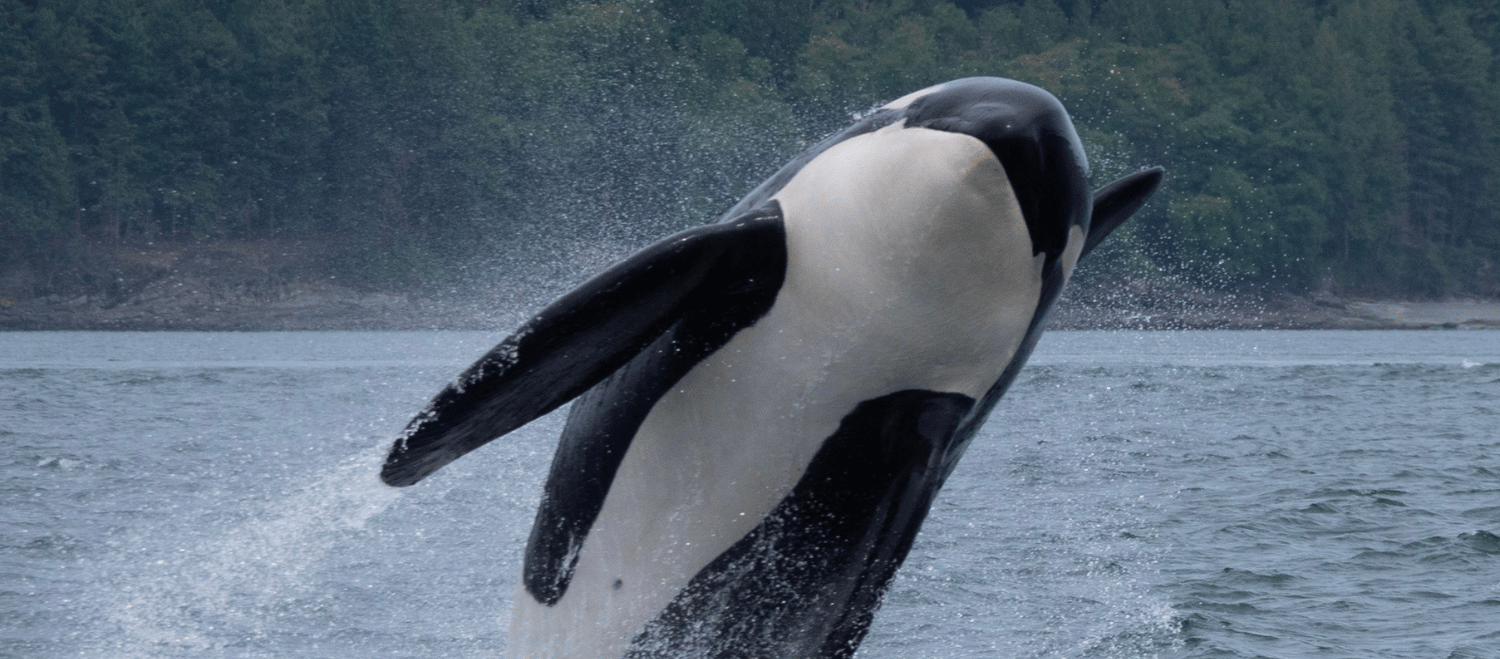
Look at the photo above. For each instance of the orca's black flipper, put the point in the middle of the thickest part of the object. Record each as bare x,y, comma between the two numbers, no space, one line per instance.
579,340
1116,202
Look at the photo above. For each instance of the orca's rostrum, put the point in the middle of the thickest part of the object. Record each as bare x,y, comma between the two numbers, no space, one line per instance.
767,405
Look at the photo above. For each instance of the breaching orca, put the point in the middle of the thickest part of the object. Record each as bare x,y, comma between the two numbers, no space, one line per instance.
767,405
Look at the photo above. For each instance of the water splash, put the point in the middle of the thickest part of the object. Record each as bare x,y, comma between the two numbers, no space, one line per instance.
222,594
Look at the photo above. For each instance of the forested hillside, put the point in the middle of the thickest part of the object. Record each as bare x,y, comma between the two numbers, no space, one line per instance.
1308,143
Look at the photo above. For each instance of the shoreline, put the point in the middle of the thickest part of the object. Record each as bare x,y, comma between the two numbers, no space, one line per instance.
1285,312
199,306
279,286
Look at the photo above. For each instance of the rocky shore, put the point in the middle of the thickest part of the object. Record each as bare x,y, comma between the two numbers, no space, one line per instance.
1154,304
274,286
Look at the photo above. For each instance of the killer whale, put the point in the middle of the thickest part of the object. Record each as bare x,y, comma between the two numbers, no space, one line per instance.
767,405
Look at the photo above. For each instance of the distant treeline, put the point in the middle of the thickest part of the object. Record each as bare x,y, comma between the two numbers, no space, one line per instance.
1308,142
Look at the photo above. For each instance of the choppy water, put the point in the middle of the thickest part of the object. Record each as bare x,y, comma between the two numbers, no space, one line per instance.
1172,494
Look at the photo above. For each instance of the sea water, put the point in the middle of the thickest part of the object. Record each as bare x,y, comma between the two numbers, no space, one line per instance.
1136,494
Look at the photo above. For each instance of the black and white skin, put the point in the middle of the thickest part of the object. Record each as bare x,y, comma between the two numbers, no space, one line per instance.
765,407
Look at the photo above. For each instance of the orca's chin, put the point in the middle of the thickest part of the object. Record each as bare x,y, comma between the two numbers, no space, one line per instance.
1030,132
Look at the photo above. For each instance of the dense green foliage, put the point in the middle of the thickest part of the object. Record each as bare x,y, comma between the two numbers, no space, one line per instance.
1308,142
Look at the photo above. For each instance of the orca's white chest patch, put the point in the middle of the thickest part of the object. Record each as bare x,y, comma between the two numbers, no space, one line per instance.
908,267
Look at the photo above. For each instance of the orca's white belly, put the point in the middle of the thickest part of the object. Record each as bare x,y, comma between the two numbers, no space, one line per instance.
926,285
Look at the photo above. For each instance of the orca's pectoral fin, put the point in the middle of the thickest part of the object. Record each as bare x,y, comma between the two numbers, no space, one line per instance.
1116,202
577,341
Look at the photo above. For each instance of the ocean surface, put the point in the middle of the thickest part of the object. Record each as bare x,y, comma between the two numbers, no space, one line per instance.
1137,494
